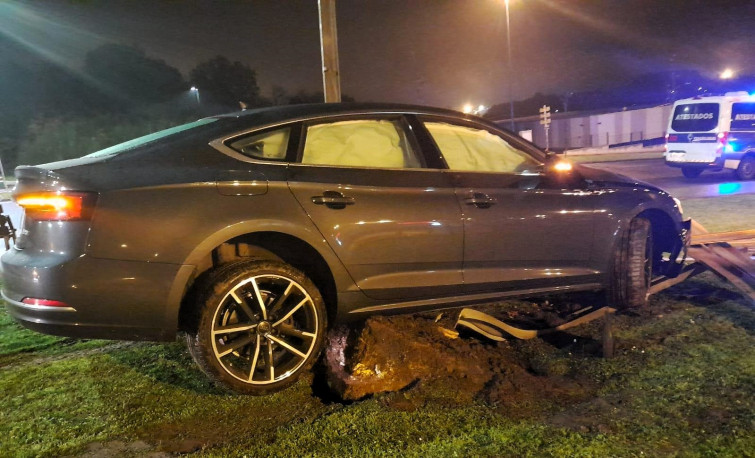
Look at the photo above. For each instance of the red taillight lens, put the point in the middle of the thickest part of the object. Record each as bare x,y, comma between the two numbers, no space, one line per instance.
57,206
723,137
43,302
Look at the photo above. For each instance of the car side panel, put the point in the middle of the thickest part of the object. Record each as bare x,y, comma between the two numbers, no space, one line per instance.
402,237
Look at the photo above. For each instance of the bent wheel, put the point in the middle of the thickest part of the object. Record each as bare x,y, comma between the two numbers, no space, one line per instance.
260,325
633,266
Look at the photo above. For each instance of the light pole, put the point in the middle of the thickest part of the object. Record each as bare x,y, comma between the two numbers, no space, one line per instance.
511,73
196,92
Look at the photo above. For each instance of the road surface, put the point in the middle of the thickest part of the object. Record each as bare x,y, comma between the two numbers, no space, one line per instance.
670,179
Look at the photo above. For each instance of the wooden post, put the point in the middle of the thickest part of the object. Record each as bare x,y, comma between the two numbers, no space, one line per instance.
331,79
608,343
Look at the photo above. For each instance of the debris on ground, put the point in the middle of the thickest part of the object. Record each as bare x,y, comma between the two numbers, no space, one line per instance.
404,353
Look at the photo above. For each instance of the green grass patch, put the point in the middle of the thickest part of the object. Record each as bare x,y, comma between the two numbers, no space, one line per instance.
723,213
682,383
613,157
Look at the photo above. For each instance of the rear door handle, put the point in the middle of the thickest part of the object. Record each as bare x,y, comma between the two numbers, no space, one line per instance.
333,199
479,200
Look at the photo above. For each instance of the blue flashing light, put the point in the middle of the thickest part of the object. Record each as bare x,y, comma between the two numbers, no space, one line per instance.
730,147
729,188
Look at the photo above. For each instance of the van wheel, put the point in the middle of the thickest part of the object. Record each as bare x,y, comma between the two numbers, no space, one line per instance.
691,172
746,169
258,326
633,266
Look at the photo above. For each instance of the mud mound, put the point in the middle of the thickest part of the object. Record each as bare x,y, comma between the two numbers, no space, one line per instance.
390,354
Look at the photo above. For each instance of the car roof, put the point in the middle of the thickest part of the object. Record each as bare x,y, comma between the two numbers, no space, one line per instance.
313,110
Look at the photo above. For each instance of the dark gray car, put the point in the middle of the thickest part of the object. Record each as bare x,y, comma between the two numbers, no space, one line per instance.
251,232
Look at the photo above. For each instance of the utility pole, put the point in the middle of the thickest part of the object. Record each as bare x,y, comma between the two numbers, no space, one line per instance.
331,79
510,71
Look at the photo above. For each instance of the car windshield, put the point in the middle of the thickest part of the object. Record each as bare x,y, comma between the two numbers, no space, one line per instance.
695,117
131,144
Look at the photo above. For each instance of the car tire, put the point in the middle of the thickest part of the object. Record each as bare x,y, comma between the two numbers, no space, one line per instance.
691,172
633,266
257,326
746,169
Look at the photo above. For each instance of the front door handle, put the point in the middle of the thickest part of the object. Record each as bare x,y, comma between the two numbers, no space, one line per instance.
479,200
333,199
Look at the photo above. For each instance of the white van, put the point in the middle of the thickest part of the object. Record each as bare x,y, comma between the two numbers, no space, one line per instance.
713,133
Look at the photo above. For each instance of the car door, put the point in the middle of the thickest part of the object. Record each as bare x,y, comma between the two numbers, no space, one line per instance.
518,229
394,223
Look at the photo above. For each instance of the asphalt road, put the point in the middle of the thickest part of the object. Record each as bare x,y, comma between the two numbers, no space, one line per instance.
670,179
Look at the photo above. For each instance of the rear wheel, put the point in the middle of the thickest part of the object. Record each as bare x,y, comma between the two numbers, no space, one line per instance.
746,169
691,172
633,266
258,326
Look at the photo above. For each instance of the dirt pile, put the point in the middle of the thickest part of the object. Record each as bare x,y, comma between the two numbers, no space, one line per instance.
391,354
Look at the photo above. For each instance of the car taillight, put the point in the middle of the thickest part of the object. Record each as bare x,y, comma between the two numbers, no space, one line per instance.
721,145
58,206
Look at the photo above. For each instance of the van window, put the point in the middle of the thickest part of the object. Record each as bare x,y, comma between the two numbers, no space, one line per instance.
695,117
743,116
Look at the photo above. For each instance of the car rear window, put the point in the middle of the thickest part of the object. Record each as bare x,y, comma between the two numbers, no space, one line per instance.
743,116
695,117
140,141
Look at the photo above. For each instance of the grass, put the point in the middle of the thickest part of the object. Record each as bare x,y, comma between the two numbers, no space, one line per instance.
723,213
613,157
682,383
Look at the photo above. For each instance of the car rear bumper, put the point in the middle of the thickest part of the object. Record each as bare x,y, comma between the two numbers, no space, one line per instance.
717,164
103,298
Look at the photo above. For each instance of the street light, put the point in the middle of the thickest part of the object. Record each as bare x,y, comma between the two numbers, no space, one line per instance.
196,92
727,74
511,73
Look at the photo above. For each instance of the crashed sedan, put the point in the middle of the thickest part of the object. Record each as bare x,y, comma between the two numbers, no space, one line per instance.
253,232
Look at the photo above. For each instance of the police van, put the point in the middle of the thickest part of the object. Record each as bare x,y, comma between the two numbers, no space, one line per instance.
713,133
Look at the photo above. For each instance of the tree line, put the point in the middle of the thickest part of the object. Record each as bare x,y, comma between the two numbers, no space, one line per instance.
52,110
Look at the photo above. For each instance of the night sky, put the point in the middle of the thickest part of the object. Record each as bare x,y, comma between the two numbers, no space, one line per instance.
433,52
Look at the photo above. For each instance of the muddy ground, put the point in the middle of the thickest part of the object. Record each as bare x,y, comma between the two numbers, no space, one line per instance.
421,353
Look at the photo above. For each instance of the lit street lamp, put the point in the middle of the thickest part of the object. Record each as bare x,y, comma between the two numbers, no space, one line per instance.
196,92
727,74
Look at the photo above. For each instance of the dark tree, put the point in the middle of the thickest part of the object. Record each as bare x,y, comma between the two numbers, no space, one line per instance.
127,75
226,83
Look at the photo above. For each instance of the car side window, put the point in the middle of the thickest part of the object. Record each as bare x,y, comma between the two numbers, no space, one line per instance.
270,145
360,143
470,149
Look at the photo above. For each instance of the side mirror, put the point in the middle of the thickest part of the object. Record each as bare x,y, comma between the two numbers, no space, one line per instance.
560,172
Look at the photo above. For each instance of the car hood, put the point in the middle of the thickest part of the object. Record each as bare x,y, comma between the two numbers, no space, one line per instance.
604,178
